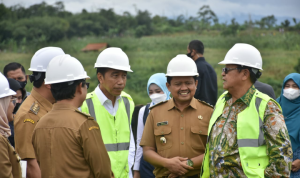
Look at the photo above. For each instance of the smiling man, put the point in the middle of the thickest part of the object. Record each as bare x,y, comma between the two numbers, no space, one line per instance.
112,108
247,133
175,133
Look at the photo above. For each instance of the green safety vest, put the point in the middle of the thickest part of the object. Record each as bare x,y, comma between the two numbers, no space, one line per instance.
115,131
250,136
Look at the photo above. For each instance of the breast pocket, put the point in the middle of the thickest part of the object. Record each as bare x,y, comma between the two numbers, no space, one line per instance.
198,137
163,138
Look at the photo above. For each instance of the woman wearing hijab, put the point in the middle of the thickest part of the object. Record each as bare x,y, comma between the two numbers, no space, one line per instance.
9,161
158,92
289,101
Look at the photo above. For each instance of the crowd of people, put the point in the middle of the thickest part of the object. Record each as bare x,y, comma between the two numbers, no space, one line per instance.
186,131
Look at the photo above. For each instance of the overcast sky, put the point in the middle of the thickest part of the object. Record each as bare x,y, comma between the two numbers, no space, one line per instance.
225,9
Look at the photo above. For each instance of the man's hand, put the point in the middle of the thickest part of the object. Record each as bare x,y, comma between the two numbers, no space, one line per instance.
178,166
33,169
296,165
136,174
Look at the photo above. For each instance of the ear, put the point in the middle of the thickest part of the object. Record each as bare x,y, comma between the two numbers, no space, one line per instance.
47,86
245,74
100,77
26,77
168,86
79,89
196,83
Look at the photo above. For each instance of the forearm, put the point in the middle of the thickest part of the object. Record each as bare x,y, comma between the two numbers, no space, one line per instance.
33,169
197,161
153,158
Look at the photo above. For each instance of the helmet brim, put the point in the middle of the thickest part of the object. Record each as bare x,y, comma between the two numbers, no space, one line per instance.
238,63
117,68
9,93
181,74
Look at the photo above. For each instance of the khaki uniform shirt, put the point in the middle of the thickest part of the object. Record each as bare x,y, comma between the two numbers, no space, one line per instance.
68,143
32,109
9,160
185,132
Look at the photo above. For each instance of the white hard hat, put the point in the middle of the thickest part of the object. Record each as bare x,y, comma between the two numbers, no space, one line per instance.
181,65
113,58
245,55
42,57
64,68
4,89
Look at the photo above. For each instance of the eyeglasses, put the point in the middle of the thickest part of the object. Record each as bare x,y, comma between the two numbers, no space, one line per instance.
226,70
14,100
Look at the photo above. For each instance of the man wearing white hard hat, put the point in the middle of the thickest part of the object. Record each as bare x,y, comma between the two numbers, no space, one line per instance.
175,132
112,108
36,105
67,142
247,133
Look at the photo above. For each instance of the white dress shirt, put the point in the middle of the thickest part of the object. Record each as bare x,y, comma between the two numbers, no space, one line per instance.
107,103
139,134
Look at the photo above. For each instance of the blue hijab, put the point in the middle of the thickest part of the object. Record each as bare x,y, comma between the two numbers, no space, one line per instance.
160,80
291,112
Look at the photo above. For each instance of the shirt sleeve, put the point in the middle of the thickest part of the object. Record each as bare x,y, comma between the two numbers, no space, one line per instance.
278,143
148,138
6,167
140,129
94,150
131,153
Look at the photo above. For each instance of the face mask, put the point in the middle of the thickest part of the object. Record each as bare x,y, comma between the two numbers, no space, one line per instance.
16,108
158,97
291,93
23,84
189,55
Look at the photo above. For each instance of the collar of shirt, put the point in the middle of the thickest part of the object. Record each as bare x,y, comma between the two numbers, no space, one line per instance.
246,98
41,100
172,104
61,106
107,103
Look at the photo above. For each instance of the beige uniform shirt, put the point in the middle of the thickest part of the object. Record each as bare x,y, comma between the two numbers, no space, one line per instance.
9,160
32,109
68,143
185,132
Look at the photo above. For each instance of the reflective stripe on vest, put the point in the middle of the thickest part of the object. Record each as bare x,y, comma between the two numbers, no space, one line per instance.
116,146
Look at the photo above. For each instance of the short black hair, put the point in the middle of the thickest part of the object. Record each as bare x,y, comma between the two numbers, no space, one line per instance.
170,78
253,76
102,70
197,46
65,90
37,78
13,66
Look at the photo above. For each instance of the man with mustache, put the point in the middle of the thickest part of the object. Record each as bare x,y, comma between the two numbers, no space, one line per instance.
112,108
175,132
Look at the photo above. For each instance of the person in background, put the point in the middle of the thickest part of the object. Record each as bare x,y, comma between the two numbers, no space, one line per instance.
16,71
134,121
265,88
16,87
289,101
9,160
36,105
175,132
207,88
158,92
67,142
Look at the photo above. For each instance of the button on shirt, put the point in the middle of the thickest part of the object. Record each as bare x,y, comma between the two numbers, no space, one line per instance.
107,103
165,120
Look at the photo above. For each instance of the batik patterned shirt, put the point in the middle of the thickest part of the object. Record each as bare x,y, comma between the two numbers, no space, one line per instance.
223,148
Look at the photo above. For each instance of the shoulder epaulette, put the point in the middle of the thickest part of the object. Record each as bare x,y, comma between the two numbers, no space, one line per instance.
35,107
85,114
207,104
158,104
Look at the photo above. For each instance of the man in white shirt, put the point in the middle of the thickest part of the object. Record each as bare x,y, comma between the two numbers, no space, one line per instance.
112,108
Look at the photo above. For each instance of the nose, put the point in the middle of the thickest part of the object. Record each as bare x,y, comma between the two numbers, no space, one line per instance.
223,73
183,87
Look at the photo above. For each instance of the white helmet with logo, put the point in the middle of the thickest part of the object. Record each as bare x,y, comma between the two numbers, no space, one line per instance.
42,57
244,55
181,65
4,89
113,58
64,68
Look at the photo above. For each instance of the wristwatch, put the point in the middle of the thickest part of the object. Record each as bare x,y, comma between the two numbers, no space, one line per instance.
190,163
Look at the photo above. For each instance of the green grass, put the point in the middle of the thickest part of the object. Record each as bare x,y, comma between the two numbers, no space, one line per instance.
149,55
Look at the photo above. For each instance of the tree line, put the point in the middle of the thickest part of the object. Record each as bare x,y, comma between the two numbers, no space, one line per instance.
47,23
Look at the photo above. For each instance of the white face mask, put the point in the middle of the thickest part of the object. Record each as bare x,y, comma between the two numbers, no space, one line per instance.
158,97
291,93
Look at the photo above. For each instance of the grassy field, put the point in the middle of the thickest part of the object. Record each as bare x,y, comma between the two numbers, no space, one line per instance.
149,55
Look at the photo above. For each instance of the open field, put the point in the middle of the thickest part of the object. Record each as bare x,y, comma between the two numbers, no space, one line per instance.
149,55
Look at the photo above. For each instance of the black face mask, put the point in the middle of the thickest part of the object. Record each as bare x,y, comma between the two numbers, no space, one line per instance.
189,55
23,84
16,108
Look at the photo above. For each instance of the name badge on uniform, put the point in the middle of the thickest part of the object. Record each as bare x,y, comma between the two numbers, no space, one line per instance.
35,108
162,123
